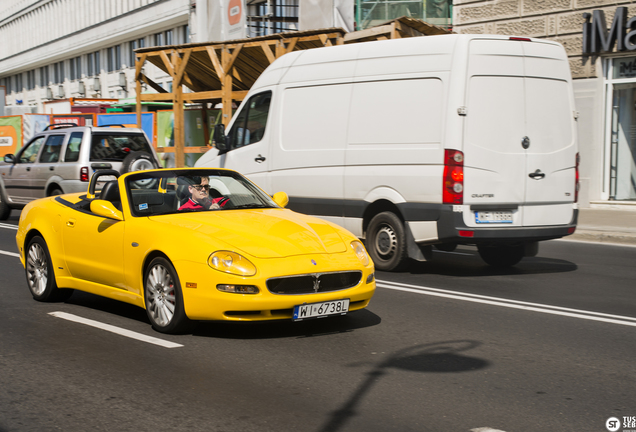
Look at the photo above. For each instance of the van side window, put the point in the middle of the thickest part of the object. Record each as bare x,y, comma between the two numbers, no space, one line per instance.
73,147
30,152
52,149
249,127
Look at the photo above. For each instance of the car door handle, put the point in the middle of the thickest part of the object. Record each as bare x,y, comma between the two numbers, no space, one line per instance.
259,159
537,175
51,168
28,168
70,223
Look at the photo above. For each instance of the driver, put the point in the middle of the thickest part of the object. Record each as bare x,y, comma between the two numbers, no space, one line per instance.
200,196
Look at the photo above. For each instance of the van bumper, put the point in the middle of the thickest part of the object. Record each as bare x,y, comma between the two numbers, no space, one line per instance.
452,229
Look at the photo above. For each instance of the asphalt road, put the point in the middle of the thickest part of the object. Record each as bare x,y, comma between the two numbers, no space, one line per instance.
451,345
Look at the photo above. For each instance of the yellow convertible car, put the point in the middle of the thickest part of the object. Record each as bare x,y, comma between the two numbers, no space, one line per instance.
192,244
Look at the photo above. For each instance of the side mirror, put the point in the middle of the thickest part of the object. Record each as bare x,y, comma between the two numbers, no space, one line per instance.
106,209
9,159
281,199
219,137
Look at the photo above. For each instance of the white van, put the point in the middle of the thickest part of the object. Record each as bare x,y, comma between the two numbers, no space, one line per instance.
418,142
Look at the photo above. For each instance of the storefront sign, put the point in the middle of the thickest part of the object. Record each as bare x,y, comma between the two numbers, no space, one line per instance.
597,39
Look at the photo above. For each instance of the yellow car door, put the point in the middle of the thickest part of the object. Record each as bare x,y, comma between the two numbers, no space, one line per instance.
93,246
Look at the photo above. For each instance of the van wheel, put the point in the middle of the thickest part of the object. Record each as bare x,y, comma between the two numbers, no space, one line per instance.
386,242
56,191
501,256
5,210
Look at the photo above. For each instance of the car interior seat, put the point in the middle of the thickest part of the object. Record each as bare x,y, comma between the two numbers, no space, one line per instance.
110,192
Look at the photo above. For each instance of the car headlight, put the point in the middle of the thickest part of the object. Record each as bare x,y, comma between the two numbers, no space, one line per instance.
360,252
231,262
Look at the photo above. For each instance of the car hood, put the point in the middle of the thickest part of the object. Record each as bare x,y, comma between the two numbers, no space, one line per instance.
262,233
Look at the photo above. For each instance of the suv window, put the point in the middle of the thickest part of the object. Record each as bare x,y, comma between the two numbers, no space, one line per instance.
73,147
30,152
249,126
115,147
52,149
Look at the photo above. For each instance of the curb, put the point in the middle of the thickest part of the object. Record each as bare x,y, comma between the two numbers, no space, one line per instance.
603,236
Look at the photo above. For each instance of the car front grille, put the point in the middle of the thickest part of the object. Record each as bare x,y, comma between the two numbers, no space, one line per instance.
314,283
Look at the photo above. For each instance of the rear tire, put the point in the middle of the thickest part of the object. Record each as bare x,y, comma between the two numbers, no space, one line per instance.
56,191
501,256
386,242
163,298
5,210
40,275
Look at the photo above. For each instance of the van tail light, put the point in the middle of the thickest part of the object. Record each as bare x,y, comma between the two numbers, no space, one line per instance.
577,184
84,174
453,189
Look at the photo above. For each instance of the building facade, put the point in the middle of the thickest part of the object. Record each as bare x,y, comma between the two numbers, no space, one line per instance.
56,49
598,39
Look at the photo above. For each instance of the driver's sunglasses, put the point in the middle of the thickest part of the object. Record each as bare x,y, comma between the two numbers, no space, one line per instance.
200,187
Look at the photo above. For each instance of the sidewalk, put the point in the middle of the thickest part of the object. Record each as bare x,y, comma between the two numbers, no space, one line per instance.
606,225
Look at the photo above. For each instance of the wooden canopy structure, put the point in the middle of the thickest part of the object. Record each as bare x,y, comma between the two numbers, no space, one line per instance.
225,71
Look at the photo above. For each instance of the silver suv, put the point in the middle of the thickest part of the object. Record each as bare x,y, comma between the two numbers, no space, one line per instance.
62,158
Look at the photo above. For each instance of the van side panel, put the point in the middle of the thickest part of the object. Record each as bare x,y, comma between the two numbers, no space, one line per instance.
395,144
308,159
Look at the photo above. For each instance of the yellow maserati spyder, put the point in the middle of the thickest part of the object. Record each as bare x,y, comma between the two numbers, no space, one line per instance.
192,244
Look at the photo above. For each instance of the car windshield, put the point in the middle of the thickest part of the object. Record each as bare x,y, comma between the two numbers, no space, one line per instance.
181,191
115,147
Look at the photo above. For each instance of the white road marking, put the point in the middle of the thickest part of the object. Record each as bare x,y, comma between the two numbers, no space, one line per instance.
8,226
13,254
117,330
514,304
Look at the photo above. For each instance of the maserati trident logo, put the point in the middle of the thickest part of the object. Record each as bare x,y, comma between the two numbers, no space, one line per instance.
316,283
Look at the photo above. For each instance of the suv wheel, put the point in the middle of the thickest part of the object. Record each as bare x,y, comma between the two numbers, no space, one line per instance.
5,210
137,161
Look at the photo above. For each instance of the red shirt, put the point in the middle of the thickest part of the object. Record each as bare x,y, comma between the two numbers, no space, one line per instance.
192,205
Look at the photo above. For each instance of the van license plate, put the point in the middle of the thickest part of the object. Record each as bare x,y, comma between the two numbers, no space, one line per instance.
493,217
320,310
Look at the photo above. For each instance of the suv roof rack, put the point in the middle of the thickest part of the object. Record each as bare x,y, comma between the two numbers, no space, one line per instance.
60,126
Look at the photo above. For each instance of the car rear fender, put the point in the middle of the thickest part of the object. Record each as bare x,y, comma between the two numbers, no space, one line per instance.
45,221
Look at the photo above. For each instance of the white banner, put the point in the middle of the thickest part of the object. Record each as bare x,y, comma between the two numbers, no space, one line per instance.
319,14
226,20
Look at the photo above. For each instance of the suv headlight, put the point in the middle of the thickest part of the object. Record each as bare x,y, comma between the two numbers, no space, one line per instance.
231,262
360,252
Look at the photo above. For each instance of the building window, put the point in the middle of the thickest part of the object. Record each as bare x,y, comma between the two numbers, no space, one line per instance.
114,58
139,43
186,34
76,68
158,39
58,73
44,76
169,37
18,83
92,66
163,38
31,79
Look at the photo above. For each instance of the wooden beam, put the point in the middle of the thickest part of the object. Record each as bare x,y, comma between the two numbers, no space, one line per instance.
153,84
215,62
229,61
156,97
184,63
177,108
226,87
268,52
167,62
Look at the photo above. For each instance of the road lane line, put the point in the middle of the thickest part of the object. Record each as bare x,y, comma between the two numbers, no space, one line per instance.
8,226
116,330
13,254
513,304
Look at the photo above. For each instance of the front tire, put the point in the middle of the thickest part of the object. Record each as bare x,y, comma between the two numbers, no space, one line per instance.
40,275
501,256
163,297
386,242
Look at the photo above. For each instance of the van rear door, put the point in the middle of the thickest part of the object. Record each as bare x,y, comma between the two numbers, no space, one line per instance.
519,145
